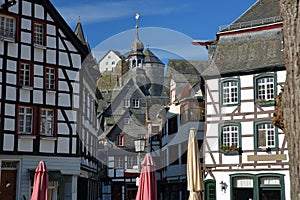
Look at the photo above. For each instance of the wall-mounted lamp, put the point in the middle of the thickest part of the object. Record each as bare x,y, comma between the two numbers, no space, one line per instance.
223,186
9,4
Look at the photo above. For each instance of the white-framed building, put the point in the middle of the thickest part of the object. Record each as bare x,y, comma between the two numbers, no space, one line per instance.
246,156
109,61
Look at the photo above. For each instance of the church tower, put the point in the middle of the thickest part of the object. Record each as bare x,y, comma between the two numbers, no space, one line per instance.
136,57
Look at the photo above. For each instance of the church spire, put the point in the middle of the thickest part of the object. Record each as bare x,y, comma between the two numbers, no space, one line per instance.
137,46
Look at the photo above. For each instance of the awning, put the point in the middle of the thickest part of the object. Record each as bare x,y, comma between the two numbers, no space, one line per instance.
54,175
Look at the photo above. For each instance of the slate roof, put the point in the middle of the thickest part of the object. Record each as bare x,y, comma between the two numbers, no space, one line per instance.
151,58
261,12
251,51
247,52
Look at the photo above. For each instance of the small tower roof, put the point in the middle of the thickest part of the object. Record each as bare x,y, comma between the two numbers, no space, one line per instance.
137,46
79,33
151,58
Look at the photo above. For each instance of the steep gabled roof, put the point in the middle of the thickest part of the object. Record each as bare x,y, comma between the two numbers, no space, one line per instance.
263,12
150,57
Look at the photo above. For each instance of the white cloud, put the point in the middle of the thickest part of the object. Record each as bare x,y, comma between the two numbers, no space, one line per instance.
105,11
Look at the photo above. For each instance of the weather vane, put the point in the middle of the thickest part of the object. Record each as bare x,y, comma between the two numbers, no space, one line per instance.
137,16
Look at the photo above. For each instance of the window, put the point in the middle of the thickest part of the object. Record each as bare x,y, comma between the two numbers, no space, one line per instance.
50,78
265,89
126,103
260,186
230,136
38,36
173,155
47,122
25,75
172,125
135,103
131,161
120,140
266,135
119,162
126,120
192,111
25,120
7,27
230,92
242,187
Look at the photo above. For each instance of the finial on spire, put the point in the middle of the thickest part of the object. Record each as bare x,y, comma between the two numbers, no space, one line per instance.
137,16
78,19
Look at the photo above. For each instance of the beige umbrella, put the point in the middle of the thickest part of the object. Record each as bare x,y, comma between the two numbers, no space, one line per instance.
194,175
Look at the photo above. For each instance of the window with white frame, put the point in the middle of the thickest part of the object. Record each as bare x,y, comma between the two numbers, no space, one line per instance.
131,161
7,27
119,162
265,88
38,37
230,135
47,122
230,92
126,103
135,103
25,75
50,78
25,120
120,140
266,135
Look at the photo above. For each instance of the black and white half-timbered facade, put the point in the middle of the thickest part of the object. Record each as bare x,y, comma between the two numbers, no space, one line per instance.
246,156
41,97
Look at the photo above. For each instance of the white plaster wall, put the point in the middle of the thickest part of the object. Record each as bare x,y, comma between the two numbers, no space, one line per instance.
25,144
25,95
51,42
106,59
63,129
74,145
12,50
51,30
37,96
38,54
49,18
50,97
25,52
62,145
1,48
8,143
10,93
10,109
47,146
75,101
60,44
11,78
63,86
64,100
38,82
51,56
25,24
38,11
76,59
26,8
25,37
63,59
70,45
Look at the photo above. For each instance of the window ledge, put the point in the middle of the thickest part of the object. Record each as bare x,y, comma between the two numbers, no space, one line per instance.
7,39
24,136
50,91
26,88
231,153
48,138
39,46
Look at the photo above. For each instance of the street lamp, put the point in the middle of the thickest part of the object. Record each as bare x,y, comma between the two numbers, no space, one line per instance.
139,145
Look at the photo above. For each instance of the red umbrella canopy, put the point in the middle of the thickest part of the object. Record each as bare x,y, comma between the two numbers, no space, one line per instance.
40,184
147,187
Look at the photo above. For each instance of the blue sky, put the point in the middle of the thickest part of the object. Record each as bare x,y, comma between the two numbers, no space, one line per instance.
106,21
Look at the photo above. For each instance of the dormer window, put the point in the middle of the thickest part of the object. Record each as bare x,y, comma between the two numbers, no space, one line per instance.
135,103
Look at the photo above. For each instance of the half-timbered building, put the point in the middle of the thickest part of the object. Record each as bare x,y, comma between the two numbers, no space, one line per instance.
246,156
184,112
41,93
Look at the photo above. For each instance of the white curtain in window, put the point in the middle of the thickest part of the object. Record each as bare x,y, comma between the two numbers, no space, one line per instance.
243,182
